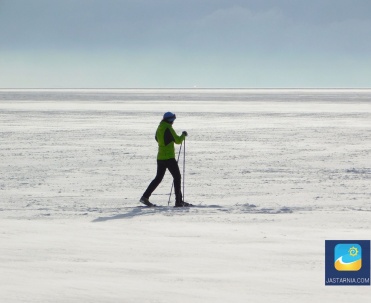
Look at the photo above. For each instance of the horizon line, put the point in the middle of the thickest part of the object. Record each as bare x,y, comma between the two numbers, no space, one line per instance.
190,88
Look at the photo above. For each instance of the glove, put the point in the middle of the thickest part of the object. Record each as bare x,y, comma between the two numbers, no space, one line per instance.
185,133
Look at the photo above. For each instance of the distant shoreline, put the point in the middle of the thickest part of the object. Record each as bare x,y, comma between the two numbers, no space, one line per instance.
195,88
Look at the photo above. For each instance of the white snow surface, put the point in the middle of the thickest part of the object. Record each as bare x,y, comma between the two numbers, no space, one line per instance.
276,173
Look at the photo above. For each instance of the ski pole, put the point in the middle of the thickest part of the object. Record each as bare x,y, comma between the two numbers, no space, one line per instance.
184,154
172,185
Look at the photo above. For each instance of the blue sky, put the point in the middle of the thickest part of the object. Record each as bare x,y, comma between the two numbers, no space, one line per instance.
178,43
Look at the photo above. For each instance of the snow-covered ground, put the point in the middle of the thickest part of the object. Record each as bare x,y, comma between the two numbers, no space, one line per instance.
277,172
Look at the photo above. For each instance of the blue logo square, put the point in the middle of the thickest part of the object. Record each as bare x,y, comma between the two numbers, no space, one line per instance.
348,257
347,262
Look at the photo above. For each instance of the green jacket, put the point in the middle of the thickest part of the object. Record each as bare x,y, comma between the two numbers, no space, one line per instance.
165,137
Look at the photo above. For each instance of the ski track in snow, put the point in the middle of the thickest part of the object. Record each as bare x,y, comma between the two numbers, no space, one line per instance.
273,173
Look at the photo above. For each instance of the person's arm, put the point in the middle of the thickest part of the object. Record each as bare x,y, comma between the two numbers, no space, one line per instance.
171,136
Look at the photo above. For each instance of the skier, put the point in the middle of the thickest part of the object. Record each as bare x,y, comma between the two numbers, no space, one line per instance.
166,137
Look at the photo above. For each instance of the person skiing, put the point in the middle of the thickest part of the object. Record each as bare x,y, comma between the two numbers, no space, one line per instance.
166,137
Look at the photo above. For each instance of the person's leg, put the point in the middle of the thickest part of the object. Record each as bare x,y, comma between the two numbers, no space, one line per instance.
173,167
161,169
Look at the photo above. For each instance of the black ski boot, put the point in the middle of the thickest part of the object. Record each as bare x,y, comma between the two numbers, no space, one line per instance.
146,202
183,204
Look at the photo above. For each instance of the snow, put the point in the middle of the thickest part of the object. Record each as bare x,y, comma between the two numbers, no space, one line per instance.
276,172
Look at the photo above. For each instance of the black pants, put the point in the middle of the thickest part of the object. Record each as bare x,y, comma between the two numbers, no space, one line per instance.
173,167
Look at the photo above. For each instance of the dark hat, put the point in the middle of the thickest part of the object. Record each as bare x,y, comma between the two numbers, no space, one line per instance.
169,117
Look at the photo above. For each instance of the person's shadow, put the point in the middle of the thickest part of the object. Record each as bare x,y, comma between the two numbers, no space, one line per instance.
139,211
135,212
147,211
